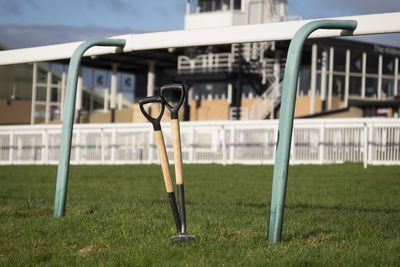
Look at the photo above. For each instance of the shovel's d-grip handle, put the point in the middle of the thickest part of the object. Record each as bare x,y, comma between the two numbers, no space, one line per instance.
154,121
162,153
173,87
176,142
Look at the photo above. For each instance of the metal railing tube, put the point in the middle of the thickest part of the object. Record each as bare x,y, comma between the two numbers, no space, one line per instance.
286,119
68,120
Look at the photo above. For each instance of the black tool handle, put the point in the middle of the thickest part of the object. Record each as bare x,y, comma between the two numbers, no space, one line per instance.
175,212
153,99
182,208
173,87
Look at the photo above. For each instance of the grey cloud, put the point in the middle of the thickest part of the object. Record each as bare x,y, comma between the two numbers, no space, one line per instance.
14,7
33,3
121,6
371,6
175,9
180,7
21,36
162,12
319,9
10,7
117,6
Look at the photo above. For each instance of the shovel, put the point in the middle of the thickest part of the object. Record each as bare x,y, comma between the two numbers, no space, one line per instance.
163,156
174,92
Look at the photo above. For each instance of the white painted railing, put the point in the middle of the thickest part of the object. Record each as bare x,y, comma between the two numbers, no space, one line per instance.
315,141
222,62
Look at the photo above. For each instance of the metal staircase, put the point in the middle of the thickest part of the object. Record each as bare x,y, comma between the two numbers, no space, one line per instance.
267,103
247,58
251,58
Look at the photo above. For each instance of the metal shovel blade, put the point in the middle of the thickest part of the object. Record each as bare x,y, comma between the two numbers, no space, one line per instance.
182,238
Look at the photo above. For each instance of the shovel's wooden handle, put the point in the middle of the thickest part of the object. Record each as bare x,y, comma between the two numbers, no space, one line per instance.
176,142
162,153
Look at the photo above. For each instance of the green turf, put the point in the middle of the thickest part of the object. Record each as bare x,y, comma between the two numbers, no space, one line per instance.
338,215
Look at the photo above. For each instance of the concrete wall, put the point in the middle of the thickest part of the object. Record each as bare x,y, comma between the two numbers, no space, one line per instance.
19,111
97,118
352,112
15,111
16,79
248,103
303,105
126,115
209,110
123,115
137,115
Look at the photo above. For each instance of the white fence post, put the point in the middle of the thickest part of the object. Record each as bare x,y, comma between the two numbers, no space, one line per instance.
151,145
19,149
292,155
223,145
365,146
192,145
103,142
322,144
275,142
371,150
232,148
46,146
11,148
113,144
78,145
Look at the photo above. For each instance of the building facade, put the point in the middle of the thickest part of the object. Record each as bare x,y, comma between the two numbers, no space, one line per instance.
338,77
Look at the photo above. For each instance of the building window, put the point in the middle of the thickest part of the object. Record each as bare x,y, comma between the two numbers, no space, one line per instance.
387,66
371,85
305,81
318,85
214,5
338,86
41,93
54,95
398,87
355,86
237,4
372,64
339,60
206,5
387,88
226,5
355,61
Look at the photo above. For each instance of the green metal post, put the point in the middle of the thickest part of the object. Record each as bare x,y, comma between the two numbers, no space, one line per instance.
286,119
68,120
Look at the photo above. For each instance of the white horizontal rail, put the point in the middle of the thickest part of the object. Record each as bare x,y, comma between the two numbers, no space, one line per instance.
315,141
56,52
367,24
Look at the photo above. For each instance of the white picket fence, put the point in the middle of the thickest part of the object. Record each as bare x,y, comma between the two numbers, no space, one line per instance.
315,141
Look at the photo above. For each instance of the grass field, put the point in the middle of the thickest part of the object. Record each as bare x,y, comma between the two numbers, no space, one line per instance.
338,215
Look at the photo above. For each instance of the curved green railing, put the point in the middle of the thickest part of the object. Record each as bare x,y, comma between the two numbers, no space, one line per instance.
68,120
286,119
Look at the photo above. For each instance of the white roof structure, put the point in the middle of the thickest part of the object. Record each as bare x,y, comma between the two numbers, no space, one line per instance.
367,24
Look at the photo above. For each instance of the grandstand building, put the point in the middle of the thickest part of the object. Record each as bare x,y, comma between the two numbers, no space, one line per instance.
339,77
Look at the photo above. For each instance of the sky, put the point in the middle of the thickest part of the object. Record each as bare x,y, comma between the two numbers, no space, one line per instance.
27,23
